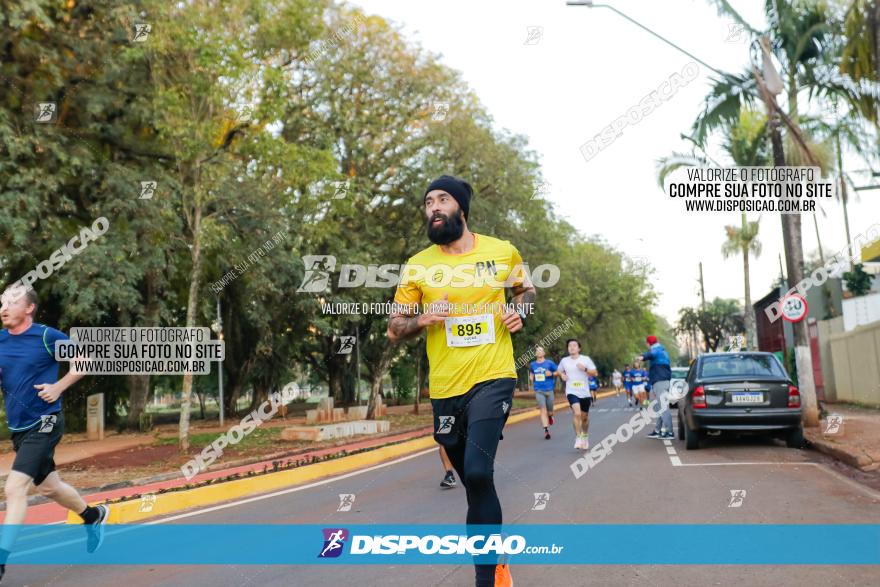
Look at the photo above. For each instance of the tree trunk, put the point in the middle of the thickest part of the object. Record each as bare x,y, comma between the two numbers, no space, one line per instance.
843,196
261,394
139,385
191,309
751,334
201,397
375,390
377,374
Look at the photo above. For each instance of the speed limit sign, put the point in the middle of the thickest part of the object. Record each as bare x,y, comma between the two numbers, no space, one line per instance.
794,308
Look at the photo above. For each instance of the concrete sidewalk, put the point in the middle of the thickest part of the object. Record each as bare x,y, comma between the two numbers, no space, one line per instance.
76,448
850,434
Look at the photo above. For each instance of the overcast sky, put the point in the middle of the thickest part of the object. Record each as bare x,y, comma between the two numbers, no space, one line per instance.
561,86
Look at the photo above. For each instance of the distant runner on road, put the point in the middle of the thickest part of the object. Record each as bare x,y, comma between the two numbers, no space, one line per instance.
32,394
542,376
575,370
628,383
617,381
470,353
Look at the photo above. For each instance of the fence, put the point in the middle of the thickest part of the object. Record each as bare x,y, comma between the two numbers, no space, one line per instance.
856,364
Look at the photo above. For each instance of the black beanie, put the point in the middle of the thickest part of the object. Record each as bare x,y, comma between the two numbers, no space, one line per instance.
457,188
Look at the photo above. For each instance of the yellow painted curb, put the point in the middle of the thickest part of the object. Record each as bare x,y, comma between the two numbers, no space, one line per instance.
175,501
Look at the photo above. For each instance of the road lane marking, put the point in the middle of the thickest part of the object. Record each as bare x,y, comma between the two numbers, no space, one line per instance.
290,490
676,462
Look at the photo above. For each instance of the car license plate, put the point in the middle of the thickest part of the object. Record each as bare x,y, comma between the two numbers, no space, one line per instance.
747,397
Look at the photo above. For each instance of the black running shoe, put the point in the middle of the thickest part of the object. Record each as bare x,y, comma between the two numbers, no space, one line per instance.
448,481
96,531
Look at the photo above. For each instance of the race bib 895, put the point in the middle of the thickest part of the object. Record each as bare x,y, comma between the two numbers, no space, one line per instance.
475,330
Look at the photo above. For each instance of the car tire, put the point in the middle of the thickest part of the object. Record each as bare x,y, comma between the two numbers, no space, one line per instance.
681,426
691,437
795,438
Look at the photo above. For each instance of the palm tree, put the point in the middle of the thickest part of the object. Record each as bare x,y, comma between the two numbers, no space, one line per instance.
745,142
744,239
796,35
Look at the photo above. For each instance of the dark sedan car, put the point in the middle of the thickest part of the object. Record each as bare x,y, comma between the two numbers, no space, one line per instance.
739,392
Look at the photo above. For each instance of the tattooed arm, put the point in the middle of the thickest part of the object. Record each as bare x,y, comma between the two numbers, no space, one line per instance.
405,326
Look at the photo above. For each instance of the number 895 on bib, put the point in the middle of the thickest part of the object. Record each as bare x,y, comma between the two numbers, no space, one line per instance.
470,330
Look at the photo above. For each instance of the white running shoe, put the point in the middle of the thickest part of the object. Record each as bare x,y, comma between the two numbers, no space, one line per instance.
585,445
577,443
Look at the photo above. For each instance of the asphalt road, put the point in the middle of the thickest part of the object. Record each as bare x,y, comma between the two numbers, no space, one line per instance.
644,481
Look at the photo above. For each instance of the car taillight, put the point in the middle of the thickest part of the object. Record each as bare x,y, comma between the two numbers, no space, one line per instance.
794,397
699,397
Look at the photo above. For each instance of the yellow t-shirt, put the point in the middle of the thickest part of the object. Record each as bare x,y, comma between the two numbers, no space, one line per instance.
475,282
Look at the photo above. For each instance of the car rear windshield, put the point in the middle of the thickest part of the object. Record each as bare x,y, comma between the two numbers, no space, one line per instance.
733,365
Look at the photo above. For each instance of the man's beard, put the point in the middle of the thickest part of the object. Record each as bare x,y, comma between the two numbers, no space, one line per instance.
448,232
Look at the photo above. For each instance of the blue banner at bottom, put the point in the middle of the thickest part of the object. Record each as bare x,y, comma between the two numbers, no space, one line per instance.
521,544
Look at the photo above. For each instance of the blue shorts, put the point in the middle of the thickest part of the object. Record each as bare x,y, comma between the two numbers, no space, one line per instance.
584,402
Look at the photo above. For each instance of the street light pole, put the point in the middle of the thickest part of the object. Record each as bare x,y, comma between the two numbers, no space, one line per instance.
220,363
590,4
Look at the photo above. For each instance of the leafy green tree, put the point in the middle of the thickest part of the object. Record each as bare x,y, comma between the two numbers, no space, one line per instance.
716,322
858,281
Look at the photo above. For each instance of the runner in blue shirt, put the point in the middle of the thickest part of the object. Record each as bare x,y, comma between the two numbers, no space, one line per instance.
628,385
542,376
32,393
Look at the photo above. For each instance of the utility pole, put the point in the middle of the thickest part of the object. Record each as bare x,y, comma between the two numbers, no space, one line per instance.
220,363
357,347
794,254
702,289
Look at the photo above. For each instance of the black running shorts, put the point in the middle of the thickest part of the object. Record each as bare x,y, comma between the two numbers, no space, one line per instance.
35,447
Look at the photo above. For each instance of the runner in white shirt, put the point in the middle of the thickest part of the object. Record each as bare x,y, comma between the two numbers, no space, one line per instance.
617,381
575,370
